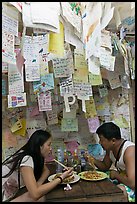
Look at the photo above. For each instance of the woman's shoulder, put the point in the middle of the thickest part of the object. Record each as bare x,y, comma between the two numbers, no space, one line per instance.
27,161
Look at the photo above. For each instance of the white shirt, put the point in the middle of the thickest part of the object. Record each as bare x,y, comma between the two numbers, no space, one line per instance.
120,163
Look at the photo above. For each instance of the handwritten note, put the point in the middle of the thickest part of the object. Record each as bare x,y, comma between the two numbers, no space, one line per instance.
61,67
83,89
9,24
15,80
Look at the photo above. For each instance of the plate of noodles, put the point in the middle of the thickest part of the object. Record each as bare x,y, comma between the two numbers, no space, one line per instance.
71,179
93,175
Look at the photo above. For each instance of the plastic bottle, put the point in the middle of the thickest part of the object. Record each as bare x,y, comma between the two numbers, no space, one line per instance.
65,158
60,158
75,157
83,161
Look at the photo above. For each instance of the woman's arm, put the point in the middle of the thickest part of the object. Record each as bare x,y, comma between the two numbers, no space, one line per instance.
44,175
35,190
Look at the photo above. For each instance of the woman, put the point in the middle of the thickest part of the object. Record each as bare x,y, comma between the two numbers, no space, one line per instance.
32,171
121,153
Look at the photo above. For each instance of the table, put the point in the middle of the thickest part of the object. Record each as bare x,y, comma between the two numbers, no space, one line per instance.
87,191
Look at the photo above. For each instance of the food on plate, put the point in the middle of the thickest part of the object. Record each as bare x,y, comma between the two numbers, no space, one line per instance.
92,175
66,180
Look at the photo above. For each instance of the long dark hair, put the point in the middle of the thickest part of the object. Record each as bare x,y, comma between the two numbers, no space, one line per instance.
31,148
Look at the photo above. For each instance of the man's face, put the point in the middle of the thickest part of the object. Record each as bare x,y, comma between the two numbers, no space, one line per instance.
105,143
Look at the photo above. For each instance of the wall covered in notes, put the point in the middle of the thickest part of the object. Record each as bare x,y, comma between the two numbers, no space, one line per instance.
64,72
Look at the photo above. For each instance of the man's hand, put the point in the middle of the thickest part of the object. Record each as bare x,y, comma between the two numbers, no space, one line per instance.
114,174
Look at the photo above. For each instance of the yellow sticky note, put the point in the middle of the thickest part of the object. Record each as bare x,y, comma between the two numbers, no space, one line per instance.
16,126
22,131
56,42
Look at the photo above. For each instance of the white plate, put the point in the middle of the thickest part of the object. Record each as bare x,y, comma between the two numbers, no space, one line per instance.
102,175
76,178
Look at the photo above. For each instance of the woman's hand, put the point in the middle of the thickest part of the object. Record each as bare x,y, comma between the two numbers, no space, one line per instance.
67,173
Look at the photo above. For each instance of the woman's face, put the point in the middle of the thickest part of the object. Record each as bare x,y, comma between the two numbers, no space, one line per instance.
46,147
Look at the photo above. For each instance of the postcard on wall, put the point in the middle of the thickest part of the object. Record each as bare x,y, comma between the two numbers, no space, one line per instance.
47,82
102,105
93,124
103,91
95,79
107,60
114,80
90,108
90,19
70,37
15,80
71,16
69,124
95,41
80,75
106,39
17,100
44,101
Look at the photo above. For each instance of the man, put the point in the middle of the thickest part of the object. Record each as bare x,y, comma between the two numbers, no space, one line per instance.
119,152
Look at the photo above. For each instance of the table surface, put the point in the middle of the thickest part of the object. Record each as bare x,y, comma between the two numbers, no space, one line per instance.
87,191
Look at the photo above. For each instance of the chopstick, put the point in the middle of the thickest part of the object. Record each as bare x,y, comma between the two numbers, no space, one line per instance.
61,164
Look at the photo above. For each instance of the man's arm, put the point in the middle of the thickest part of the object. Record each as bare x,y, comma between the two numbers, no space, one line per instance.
129,160
102,165
105,164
